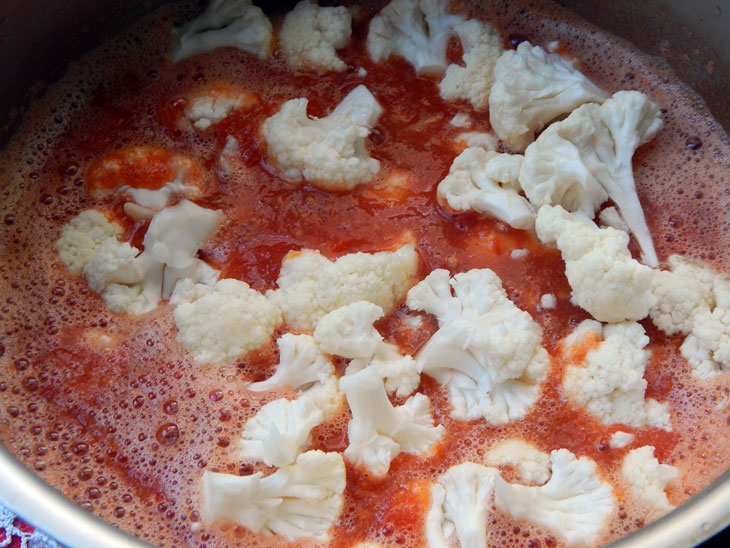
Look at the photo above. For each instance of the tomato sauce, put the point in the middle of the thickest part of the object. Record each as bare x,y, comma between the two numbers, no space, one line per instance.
112,410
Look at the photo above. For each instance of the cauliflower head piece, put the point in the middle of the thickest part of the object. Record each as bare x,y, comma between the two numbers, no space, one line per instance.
227,322
531,88
310,285
417,30
575,503
460,505
605,280
610,385
310,36
225,23
328,152
488,183
531,465
280,431
378,431
482,45
647,478
134,283
707,348
297,501
487,352
82,235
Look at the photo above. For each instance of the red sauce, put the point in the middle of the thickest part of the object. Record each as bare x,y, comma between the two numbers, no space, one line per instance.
126,426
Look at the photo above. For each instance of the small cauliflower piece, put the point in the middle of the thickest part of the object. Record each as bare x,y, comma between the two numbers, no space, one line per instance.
531,88
82,235
461,120
280,431
487,141
310,35
134,283
487,352
417,30
648,479
225,23
707,348
297,501
610,385
575,503
548,301
606,281
531,464
620,439
611,217
487,182
460,505
328,152
210,105
378,432
595,144
310,285
226,323
482,45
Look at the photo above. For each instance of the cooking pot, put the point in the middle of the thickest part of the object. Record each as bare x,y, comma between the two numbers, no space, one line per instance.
38,39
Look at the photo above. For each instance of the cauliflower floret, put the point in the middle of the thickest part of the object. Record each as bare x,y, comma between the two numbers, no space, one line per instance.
575,503
226,323
329,152
648,479
682,295
461,120
418,30
378,432
297,501
482,46
531,464
487,182
349,332
225,23
487,141
531,88
460,504
134,284
310,35
605,279
211,104
311,285
611,217
82,235
620,439
610,384
707,348
548,301
279,432
595,144
487,352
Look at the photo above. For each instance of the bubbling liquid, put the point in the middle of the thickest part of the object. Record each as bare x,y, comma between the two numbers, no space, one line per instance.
112,411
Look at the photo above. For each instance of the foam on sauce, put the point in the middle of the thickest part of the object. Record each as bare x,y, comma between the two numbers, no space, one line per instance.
113,411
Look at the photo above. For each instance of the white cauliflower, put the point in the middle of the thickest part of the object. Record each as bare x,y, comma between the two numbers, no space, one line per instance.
310,285
297,501
310,34
531,465
418,30
610,385
482,45
707,348
328,152
575,502
459,504
606,281
620,439
349,332
378,432
548,301
487,182
531,88
647,478
487,352
611,217
225,23
227,322
280,431
595,144
481,139
135,283
211,104
81,235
